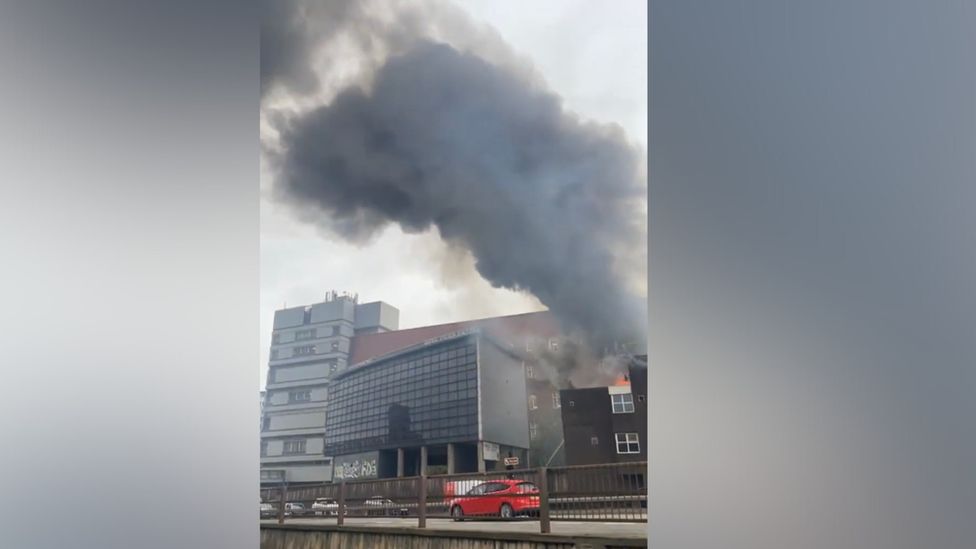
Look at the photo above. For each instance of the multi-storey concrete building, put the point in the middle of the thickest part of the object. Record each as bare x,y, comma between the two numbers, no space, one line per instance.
309,345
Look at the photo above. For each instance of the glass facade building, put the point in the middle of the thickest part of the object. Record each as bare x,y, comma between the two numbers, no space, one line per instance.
421,397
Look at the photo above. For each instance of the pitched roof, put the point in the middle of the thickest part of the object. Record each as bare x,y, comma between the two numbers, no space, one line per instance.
506,328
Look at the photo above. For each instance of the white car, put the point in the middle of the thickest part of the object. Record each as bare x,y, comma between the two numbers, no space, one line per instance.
268,511
325,507
379,505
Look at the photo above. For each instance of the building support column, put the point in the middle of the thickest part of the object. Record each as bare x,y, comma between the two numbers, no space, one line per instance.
481,457
400,459
450,459
423,460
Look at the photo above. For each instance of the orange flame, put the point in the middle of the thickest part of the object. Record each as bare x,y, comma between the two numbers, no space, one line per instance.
622,379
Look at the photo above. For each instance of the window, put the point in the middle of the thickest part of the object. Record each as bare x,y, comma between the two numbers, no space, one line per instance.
332,366
594,441
528,372
554,345
335,345
555,400
533,430
299,396
303,350
532,402
264,447
628,443
296,446
266,423
572,403
640,398
274,354
622,404
305,334
276,337
335,330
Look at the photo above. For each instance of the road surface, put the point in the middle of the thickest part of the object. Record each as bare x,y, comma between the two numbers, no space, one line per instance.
626,530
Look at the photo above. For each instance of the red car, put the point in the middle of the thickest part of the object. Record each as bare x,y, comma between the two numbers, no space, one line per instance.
503,498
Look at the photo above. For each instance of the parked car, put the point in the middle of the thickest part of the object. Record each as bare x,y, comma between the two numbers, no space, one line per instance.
325,507
294,509
268,511
503,498
379,505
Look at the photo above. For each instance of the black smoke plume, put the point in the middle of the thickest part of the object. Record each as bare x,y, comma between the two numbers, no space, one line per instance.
440,138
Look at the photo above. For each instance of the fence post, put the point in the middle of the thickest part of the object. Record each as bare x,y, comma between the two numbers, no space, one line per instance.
341,510
281,504
422,503
544,525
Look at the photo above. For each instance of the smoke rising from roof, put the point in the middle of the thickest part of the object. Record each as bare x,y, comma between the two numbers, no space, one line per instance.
474,146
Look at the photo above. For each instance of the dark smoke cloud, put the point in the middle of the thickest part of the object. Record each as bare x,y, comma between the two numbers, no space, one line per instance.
302,41
546,203
287,43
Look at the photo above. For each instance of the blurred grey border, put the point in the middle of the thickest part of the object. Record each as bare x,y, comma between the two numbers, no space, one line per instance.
129,145
811,274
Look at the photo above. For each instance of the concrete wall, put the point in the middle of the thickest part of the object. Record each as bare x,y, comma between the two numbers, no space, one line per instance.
501,381
377,315
287,536
340,309
294,373
289,318
303,473
305,420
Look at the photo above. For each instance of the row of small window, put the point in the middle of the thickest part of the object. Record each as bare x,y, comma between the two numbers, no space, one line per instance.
427,434
418,416
455,420
405,390
304,350
289,447
552,344
411,397
534,402
461,367
302,335
627,443
621,404
298,396
624,403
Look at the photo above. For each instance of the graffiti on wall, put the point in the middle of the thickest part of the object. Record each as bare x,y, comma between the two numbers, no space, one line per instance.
355,467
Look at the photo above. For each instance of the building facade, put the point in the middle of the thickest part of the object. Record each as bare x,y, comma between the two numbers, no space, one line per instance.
607,424
325,401
309,345
453,403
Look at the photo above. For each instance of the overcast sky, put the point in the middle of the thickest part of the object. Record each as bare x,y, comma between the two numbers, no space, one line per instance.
594,57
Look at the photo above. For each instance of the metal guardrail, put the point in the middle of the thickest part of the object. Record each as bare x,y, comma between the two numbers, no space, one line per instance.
615,492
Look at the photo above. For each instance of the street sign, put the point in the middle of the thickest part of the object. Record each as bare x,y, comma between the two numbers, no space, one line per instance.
511,460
